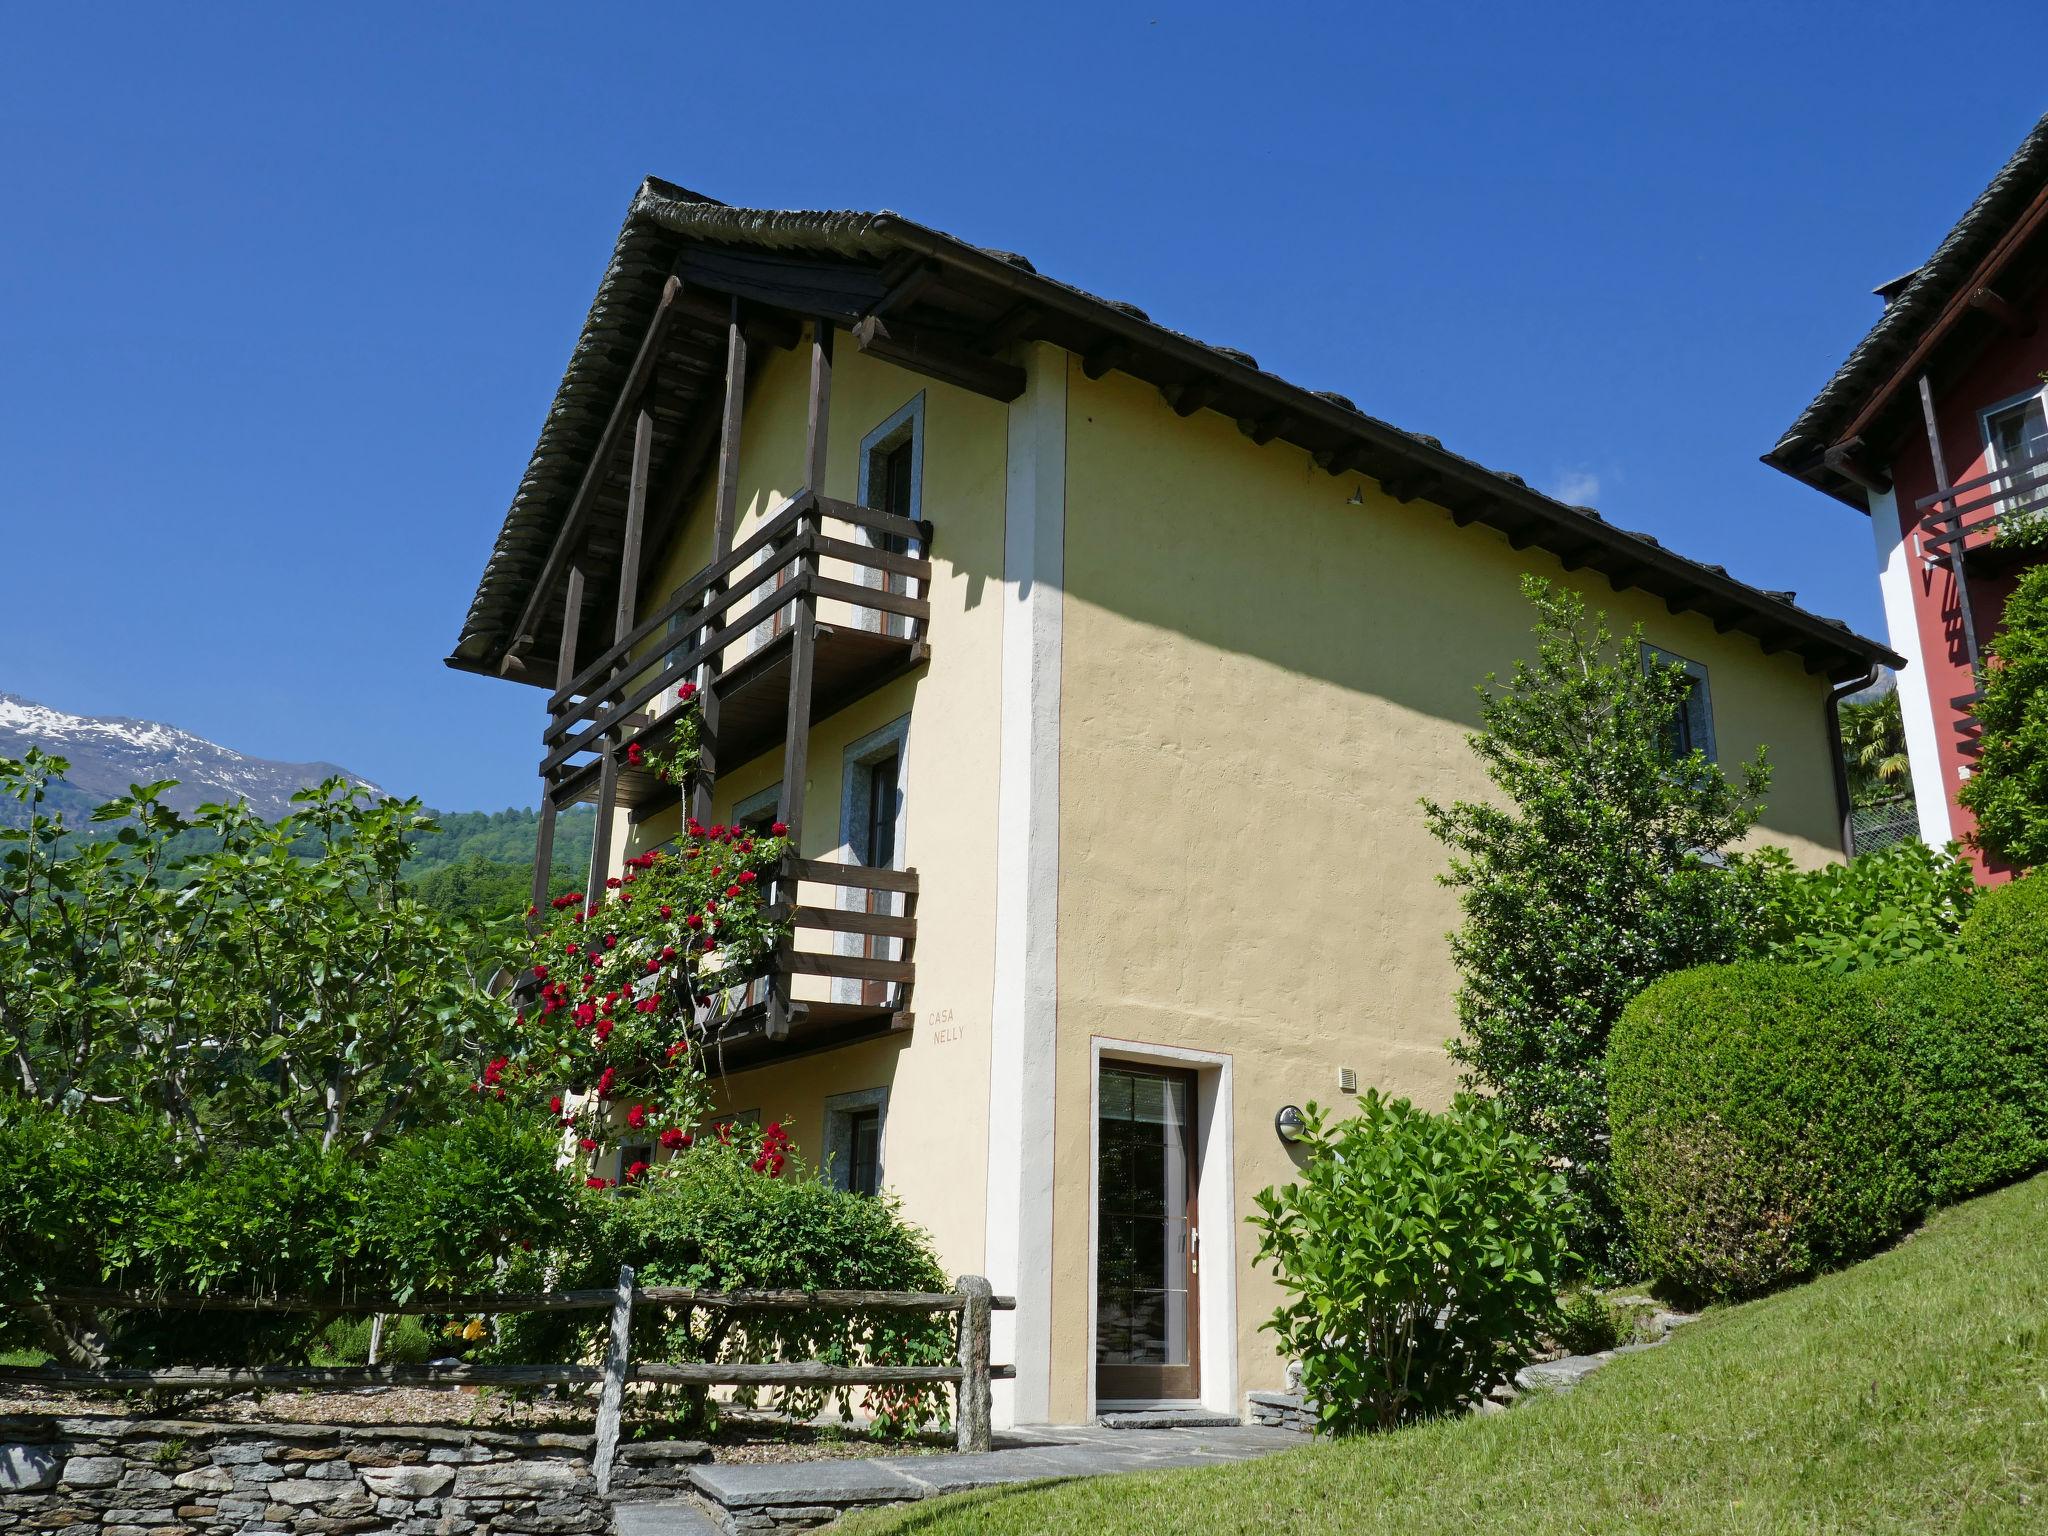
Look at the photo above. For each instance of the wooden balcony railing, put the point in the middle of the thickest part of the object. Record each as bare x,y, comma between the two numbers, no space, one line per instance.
727,631
854,929
1977,516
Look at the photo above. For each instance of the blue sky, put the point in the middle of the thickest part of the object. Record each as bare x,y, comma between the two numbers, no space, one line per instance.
284,292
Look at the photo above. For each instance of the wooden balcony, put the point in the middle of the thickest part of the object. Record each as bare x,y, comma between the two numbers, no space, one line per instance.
731,630
823,603
1992,521
845,974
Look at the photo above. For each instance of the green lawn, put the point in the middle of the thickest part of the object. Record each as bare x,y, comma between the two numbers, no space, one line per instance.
1907,1394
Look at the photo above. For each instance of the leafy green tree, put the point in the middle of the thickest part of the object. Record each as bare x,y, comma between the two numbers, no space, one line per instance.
282,982
2008,790
1600,867
477,887
1874,749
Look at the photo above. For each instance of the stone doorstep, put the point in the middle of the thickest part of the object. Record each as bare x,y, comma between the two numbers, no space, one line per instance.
1165,1418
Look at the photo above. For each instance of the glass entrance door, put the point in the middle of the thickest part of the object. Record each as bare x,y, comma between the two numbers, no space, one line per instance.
1146,1298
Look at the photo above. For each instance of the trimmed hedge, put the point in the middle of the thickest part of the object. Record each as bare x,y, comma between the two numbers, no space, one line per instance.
1755,1112
1976,1074
2007,933
1770,1121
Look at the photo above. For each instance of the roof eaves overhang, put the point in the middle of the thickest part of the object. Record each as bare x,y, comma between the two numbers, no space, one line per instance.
1343,438
1927,305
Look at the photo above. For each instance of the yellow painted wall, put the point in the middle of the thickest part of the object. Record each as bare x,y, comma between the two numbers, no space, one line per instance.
1259,682
935,1148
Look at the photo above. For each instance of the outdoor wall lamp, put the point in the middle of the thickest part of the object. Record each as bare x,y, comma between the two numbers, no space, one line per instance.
1289,1124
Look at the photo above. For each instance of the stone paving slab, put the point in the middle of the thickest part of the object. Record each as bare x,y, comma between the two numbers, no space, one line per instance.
751,1485
1023,1455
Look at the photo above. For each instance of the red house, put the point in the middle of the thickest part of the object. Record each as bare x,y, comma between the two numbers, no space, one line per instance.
1937,426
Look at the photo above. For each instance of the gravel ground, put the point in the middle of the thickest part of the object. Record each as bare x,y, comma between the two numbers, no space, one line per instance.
741,1437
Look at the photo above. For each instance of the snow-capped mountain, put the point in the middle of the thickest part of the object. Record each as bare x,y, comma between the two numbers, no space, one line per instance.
110,752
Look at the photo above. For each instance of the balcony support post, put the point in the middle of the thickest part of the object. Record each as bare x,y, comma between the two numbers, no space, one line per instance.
572,535
726,517
803,646
1955,524
629,599
565,671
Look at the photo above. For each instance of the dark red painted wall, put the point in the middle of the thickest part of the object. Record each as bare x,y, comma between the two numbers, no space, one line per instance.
2010,366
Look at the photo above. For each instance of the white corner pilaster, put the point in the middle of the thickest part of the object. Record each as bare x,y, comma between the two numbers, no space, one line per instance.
1024,1008
1897,575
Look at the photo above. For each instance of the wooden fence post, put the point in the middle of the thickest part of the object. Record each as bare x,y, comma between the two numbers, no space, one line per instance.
612,1395
973,1407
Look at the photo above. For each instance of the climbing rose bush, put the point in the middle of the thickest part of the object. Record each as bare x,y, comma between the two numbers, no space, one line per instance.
623,986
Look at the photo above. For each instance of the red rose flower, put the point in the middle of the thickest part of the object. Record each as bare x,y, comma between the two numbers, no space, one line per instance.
587,1144
540,973
594,1182
778,829
675,1139
636,1117
555,1104
635,1172
748,877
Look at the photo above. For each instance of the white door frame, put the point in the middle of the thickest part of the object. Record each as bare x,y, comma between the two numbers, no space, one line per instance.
1215,1205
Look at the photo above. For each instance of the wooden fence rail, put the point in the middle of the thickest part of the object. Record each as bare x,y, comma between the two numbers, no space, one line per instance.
970,1377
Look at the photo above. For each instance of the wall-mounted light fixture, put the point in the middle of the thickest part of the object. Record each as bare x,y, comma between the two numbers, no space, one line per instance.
1289,1124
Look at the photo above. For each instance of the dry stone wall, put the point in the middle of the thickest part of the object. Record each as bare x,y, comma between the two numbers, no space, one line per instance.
157,1477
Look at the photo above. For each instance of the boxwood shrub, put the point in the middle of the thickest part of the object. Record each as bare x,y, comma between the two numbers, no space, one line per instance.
1772,1120
1760,1119
2007,933
1974,1054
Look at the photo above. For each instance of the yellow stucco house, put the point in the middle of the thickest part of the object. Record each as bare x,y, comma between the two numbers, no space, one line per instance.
1098,672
